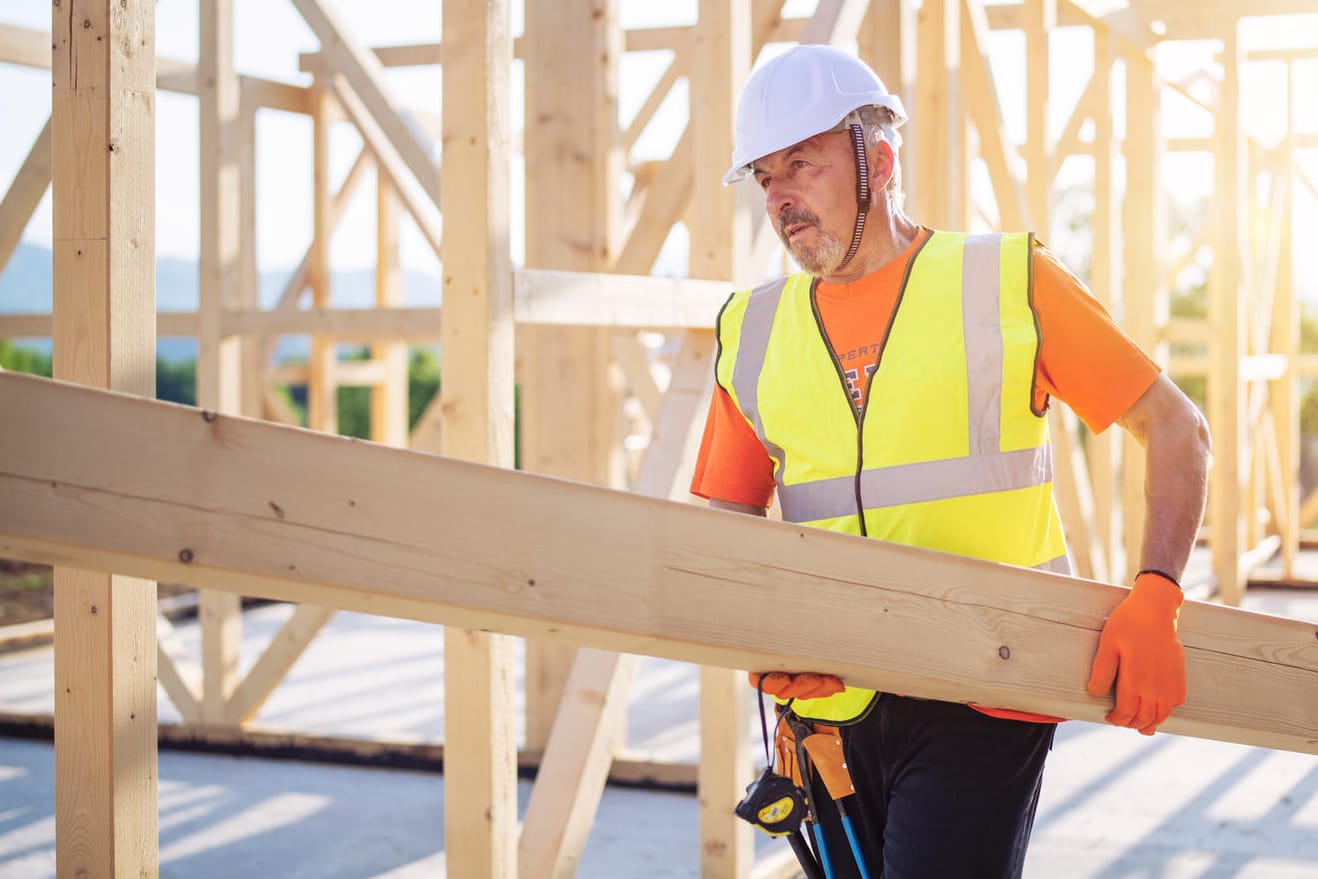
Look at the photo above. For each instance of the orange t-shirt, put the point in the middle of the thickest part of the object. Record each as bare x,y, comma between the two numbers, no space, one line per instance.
1084,360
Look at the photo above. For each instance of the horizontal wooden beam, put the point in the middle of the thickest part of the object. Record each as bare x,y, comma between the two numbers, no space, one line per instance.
220,502
428,54
31,48
542,297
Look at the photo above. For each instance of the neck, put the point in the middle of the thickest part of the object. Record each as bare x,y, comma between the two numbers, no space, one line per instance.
888,232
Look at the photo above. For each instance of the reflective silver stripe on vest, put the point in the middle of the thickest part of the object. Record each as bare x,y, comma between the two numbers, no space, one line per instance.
914,483
982,326
752,346
1059,565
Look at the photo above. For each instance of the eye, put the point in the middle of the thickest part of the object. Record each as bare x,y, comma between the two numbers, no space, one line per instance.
798,164
763,181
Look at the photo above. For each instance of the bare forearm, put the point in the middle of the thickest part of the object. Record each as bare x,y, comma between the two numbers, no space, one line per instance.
1175,488
1177,454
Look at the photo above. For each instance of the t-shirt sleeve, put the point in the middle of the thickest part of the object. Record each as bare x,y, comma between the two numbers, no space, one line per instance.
1085,359
732,465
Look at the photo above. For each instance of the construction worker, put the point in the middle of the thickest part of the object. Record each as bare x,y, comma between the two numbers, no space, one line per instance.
896,388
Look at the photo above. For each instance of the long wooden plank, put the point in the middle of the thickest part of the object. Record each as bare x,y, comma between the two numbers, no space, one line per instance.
103,195
411,535
24,194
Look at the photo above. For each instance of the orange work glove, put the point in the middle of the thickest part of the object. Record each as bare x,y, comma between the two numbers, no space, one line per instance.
806,685
1139,649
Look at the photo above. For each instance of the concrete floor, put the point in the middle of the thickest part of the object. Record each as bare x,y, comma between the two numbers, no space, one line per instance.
1115,805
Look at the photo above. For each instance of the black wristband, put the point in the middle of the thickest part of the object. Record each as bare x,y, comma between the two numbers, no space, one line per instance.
1164,575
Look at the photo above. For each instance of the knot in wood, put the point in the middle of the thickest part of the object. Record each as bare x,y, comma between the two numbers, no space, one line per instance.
185,556
1004,651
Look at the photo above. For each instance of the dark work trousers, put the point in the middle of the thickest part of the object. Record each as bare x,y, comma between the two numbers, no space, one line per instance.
942,792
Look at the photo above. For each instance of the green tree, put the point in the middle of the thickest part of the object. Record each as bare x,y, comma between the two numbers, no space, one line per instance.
17,358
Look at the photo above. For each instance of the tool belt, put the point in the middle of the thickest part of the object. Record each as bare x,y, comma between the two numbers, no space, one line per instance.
823,746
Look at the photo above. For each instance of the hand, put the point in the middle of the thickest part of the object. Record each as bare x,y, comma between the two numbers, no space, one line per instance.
1140,651
805,685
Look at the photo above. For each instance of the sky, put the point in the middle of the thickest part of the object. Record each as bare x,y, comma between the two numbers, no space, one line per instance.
270,34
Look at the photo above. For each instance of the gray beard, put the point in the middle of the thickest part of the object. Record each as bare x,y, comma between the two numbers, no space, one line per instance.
820,260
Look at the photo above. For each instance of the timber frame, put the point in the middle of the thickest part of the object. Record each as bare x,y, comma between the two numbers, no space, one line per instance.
571,327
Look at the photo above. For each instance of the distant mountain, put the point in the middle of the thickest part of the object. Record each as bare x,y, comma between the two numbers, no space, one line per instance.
25,288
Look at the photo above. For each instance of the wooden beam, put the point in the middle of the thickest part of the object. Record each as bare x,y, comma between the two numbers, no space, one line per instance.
1228,317
365,77
935,162
270,669
219,357
587,732
31,48
981,96
480,838
322,392
24,194
720,228
389,399
1286,339
1040,20
1105,280
1143,243
570,396
590,565
392,161
103,175
179,676
542,297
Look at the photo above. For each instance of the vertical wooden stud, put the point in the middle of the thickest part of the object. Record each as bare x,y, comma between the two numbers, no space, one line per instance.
389,400
103,166
1226,315
935,165
1105,280
720,249
249,273
322,391
1286,341
1144,232
219,376
570,394
1040,19
480,778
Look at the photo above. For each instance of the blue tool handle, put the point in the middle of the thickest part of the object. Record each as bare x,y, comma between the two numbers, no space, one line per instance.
855,847
823,851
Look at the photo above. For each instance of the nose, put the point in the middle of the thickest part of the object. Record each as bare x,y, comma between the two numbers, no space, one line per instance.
778,197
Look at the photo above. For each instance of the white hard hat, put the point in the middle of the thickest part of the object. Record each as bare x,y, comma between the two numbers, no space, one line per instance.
805,91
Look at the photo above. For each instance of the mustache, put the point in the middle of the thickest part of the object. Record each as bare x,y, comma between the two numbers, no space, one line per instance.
792,216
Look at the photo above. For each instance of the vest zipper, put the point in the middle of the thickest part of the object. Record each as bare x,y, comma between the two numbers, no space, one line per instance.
846,392
859,416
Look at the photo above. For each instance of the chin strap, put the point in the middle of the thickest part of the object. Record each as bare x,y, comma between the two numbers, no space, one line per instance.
863,194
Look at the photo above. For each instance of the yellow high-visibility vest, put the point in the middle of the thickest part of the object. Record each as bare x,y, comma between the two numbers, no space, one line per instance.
948,454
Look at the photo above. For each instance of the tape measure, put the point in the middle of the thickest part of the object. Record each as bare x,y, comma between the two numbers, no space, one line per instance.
773,803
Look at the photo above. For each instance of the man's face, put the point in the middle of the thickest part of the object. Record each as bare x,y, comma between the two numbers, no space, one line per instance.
810,196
